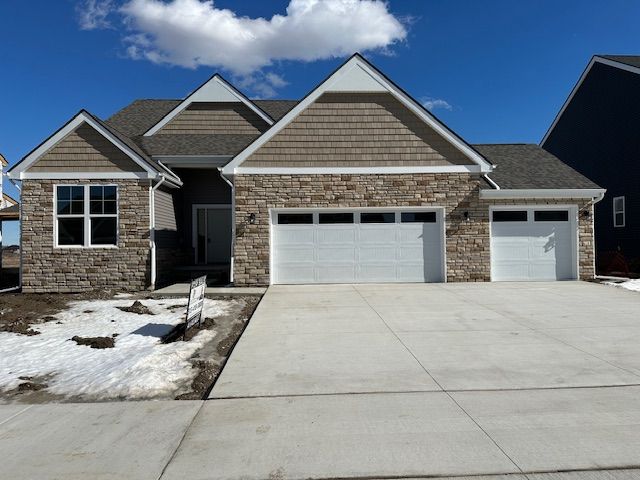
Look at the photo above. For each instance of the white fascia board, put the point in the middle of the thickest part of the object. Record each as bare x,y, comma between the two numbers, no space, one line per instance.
216,89
344,74
355,170
576,87
79,119
542,193
85,175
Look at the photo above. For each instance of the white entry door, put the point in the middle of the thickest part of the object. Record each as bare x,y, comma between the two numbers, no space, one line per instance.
325,246
529,243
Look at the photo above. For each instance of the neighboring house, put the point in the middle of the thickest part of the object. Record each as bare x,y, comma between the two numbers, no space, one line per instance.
356,182
597,133
6,201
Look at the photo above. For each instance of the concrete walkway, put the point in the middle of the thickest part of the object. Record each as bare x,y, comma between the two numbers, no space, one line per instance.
514,381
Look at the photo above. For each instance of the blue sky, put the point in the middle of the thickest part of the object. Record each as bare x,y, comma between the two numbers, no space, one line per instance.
495,71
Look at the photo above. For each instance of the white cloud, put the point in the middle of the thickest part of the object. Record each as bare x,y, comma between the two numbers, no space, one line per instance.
431,103
191,33
92,14
263,85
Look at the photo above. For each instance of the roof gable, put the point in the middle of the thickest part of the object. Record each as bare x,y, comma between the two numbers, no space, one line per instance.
124,144
628,63
214,90
358,75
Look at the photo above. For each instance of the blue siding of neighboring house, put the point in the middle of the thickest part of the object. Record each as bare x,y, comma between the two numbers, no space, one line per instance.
599,135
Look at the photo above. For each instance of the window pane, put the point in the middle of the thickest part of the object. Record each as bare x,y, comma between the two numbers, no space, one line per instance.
63,193
336,218
70,231
77,193
618,204
418,217
110,207
551,216
109,193
371,217
64,207
103,231
77,207
96,206
619,219
294,218
95,193
510,216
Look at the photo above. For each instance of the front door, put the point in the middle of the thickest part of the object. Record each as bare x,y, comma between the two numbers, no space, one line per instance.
212,228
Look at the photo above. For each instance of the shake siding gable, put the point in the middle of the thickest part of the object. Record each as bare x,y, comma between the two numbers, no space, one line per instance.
84,150
212,118
356,130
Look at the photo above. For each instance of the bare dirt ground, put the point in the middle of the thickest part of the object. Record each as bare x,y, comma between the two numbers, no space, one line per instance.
22,313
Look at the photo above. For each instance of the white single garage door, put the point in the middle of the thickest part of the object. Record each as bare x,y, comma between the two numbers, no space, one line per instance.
325,246
529,243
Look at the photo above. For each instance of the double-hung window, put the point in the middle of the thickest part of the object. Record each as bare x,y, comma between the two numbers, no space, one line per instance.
86,215
618,212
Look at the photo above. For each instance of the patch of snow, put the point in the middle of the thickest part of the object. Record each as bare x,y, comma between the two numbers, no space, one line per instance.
138,367
633,285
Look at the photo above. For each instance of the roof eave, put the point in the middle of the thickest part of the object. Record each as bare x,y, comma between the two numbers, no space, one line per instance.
522,193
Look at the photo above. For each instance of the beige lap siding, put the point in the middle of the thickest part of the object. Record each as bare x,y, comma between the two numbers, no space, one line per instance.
467,242
49,269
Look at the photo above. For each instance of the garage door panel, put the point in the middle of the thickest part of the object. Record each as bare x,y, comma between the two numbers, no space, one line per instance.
291,254
532,250
335,273
377,254
294,236
294,273
336,254
336,235
378,235
377,273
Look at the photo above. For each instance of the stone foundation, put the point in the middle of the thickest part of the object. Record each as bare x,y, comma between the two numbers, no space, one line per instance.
467,241
49,269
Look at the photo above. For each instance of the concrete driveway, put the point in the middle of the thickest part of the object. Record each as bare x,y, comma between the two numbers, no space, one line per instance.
405,338
377,381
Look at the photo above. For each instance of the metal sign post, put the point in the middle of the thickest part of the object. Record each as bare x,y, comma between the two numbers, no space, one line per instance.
196,302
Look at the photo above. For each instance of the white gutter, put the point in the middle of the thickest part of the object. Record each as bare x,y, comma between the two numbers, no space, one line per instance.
542,193
152,229
233,221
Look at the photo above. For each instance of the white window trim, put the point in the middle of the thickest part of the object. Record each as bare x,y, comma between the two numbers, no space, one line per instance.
86,216
623,212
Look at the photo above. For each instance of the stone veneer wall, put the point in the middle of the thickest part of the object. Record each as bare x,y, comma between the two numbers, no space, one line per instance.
49,269
467,241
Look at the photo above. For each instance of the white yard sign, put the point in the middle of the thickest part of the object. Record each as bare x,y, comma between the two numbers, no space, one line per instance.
196,301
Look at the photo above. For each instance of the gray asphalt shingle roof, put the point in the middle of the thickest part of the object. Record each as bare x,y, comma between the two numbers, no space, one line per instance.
518,166
196,144
528,166
139,116
632,60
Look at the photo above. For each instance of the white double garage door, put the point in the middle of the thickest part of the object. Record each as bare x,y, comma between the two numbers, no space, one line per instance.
408,245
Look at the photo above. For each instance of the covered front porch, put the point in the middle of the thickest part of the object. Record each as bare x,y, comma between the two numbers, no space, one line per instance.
193,233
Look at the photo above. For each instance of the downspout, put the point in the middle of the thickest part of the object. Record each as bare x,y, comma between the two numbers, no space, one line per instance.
233,221
491,182
595,200
13,182
152,229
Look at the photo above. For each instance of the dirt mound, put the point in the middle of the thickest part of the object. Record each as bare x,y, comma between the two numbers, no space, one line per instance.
138,308
95,342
